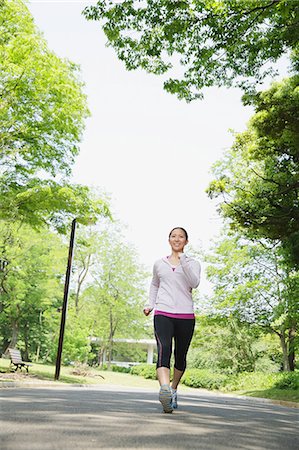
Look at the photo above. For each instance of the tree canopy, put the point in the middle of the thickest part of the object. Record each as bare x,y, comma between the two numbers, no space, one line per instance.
257,182
43,103
42,118
217,43
252,282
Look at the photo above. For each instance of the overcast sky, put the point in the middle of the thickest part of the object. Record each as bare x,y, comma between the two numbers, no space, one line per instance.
149,151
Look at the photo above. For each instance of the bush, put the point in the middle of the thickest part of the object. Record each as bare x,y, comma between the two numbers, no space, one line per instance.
245,381
288,380
266,365
203,378
147,371
251,381
121,369
260,380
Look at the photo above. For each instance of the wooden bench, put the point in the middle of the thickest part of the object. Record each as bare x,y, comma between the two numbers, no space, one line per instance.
16,359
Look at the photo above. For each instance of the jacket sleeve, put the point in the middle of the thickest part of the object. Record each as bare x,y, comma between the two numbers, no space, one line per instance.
153,291
191,269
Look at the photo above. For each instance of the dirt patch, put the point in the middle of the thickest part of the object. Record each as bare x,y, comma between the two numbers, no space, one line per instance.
16,376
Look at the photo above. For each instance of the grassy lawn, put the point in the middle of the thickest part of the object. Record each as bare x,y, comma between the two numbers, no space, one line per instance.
287,395
45,373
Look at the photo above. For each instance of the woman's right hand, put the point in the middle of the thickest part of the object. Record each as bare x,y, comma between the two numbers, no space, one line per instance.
147,311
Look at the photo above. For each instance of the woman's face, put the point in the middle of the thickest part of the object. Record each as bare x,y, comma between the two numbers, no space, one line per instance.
177,240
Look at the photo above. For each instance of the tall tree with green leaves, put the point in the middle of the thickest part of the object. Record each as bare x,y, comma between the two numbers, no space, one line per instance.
253,283
42,118
114,296
217,43
257,181
224,344
31,285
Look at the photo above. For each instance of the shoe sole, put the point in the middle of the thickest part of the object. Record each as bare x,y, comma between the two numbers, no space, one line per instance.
165,400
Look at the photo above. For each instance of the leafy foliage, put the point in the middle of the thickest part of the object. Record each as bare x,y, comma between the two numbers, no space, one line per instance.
204,378
223,344
43,104
31,286
147,371
258,179
113,297
252,282
217,43
42,117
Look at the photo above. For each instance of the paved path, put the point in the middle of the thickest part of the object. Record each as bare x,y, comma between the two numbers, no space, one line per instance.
90,418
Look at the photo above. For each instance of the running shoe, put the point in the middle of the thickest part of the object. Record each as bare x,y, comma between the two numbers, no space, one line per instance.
165,398
174,399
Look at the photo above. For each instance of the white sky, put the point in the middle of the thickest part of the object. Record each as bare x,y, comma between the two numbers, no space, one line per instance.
151,152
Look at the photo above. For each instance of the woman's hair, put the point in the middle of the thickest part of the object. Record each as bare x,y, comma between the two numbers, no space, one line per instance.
180,228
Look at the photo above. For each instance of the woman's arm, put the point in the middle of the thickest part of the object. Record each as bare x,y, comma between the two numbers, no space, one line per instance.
191,269
154,287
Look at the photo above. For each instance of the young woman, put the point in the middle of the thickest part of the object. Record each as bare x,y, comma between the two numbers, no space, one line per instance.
170,296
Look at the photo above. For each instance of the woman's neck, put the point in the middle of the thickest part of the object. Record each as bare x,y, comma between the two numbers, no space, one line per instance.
174,257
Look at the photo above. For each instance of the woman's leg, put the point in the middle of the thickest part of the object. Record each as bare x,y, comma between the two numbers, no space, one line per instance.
164,330
184,329
177,375
163,375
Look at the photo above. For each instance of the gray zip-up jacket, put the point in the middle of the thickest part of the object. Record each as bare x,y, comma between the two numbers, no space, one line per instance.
171,290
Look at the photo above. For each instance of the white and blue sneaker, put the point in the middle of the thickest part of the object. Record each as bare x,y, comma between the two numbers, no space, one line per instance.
174,399
165,398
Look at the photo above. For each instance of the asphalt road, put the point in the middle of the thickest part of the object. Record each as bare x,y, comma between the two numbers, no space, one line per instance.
89,418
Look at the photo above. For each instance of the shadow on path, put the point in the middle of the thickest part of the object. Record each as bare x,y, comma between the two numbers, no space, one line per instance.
94,418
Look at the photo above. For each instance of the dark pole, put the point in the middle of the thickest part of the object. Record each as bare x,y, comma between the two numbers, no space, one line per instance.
65,297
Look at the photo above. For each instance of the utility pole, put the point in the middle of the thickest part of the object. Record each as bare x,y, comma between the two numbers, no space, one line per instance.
65,298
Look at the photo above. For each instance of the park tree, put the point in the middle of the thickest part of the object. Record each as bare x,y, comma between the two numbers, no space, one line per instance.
87,242
257,181
223,343
215,43
42,118
31,285
112,301
253,284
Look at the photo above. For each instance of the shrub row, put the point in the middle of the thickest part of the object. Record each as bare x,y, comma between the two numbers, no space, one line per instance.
147,371
121,369
261,380
204,378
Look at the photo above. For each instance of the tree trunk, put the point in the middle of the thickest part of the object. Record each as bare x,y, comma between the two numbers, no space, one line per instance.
109,355
81,278
100,357
37,352
110,342
110,339
291,355
284,346
26,350
14,334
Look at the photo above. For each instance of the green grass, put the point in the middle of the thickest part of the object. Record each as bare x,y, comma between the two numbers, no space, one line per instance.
276,386
46,373
273,394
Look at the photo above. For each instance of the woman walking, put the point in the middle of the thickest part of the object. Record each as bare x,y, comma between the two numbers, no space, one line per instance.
170,297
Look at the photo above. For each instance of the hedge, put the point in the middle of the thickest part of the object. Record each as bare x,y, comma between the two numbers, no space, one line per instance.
206,379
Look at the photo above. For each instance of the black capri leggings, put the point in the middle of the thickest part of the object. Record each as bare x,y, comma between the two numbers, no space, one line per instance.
167,328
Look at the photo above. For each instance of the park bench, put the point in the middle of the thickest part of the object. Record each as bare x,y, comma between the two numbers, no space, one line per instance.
16,359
